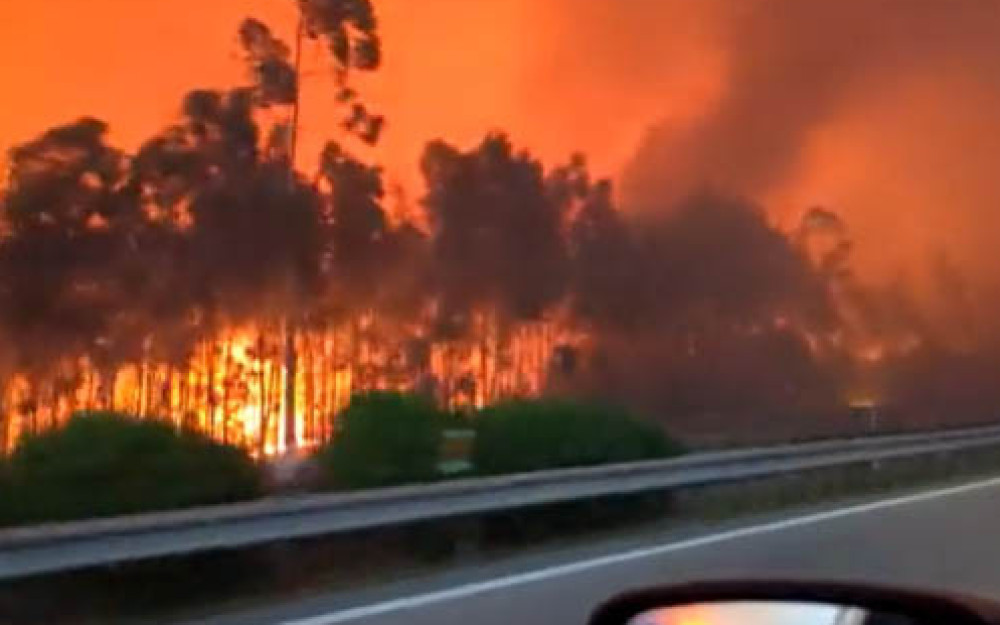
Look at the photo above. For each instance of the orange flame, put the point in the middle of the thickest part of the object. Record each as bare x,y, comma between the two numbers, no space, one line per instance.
233,385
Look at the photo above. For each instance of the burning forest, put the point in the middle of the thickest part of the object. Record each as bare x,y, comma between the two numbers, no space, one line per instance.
208,278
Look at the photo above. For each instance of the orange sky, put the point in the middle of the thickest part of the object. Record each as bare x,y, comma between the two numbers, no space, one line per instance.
125,61
453,69
563,75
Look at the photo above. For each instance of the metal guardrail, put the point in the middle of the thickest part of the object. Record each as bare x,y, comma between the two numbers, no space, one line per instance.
68,546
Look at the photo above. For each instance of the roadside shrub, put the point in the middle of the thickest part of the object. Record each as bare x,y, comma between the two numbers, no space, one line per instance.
104,464
530,435
383,439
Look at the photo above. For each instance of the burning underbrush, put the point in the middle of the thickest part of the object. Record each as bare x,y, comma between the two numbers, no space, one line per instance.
234,385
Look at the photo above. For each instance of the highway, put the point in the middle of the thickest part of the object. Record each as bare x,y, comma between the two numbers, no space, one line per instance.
943,538
52,548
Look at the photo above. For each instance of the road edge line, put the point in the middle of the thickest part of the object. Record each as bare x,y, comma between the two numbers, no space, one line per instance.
572,568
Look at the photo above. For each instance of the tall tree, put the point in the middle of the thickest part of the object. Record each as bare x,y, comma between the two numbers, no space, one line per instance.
496,230
68,212
349,30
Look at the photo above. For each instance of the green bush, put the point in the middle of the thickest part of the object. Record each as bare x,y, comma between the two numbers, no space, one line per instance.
383,439
520,436
104,464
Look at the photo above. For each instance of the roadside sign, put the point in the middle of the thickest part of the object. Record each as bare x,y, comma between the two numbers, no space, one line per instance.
456,451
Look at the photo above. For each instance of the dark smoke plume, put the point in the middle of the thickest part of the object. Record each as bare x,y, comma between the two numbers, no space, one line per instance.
793,65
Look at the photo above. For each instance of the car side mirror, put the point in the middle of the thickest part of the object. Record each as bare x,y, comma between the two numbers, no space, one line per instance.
791,603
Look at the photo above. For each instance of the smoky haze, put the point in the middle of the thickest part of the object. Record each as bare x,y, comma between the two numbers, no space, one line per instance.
792,66
883,110
883,113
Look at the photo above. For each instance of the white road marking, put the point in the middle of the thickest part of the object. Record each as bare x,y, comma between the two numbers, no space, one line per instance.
467,590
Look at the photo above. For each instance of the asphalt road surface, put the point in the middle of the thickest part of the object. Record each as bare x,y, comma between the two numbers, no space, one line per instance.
947,538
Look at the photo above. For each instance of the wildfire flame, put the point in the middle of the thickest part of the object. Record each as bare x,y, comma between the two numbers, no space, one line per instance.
233,385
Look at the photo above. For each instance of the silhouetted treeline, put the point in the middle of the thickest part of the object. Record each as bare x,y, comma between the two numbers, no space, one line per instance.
697,307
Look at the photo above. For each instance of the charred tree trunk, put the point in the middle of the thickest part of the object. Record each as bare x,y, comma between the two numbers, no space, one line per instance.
291,358
227,377
210,406
109,379
355,364
265,414
291,363
31,409
208,379
91,387
325,394
5,420
184,406
274,400
140,401
332,394
309,384
46,406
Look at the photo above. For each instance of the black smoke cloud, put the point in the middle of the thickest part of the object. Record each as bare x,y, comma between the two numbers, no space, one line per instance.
906,90
795,65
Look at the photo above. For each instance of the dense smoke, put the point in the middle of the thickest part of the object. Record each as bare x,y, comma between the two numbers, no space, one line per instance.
884,111
792,67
